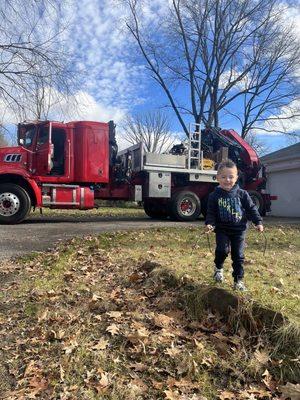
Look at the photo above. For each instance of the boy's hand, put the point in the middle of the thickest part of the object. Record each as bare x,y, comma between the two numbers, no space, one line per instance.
209,228
260,228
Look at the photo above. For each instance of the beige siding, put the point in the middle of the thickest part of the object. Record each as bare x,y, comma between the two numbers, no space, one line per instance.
286,185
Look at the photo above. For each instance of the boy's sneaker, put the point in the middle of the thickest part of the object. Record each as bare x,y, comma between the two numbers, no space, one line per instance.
239,285
218,275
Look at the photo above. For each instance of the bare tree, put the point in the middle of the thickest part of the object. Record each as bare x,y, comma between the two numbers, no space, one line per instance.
3,139
151,128
43,98
32,57
218,57
258,144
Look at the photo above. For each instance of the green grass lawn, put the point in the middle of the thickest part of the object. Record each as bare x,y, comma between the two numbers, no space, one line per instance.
91,320
272,279
129,210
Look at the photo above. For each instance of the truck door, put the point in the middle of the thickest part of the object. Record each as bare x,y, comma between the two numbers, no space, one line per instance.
44,150
58,137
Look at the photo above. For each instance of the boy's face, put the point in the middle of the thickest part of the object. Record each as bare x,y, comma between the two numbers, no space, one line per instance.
227,178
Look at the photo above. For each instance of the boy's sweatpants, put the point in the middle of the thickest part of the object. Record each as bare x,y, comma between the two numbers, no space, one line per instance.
234,242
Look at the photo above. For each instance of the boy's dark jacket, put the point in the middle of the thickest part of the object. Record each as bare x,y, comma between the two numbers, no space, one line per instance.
230,210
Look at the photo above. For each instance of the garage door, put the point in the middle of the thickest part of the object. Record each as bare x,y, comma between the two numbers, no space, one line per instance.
285,185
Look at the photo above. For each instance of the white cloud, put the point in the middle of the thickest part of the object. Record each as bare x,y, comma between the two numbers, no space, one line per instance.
100,45
81,106
105,52
230,76
123,144
90,109
153,10
109,83
291,15
285,122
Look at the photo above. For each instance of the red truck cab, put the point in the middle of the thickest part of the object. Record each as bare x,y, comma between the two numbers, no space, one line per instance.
53,166
72,152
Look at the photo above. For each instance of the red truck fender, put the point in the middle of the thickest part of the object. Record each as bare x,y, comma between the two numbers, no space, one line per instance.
37,192
23,180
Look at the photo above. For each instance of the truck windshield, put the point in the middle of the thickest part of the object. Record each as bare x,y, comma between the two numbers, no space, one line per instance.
28,137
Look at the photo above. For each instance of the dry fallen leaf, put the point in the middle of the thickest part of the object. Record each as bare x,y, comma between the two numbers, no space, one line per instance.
262,357
290,391
31,368
199,345
207,361
113,329
52,335
61,373
138,387
220,336
172,395
157,385
225,395
101,344
135,277
162,320
71,346
43,316
173,351
115,314
104,380
95,297
139,367
140,335
269,381
255,393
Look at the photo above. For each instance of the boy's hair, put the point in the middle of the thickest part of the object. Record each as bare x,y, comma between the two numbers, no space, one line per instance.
226,164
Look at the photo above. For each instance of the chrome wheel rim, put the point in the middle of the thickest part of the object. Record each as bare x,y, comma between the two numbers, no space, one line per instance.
9,204
187,207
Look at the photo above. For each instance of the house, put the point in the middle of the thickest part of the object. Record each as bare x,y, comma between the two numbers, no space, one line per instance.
283,174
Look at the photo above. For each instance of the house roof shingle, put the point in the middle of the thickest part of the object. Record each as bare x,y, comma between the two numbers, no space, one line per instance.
288,152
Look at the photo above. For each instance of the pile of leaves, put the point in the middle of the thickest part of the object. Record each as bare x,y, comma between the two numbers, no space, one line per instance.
88,321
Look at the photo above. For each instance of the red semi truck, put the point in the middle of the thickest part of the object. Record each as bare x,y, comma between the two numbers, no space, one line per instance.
70,165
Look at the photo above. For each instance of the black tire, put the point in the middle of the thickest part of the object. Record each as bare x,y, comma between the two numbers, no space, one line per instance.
258,201
185,206
155,209
15,203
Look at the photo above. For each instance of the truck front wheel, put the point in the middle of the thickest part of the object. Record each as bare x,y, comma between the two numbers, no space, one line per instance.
185,206
15,203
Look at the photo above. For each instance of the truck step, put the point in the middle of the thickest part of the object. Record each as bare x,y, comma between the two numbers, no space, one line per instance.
60,195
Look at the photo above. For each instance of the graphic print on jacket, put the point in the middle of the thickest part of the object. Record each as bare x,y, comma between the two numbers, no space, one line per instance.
230,209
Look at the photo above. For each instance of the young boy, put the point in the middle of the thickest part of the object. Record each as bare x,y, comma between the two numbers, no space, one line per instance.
228,211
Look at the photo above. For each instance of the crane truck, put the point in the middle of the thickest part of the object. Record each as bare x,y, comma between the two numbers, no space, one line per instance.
72,165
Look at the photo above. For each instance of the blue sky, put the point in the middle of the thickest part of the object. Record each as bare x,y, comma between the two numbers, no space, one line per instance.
114,74
114,80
